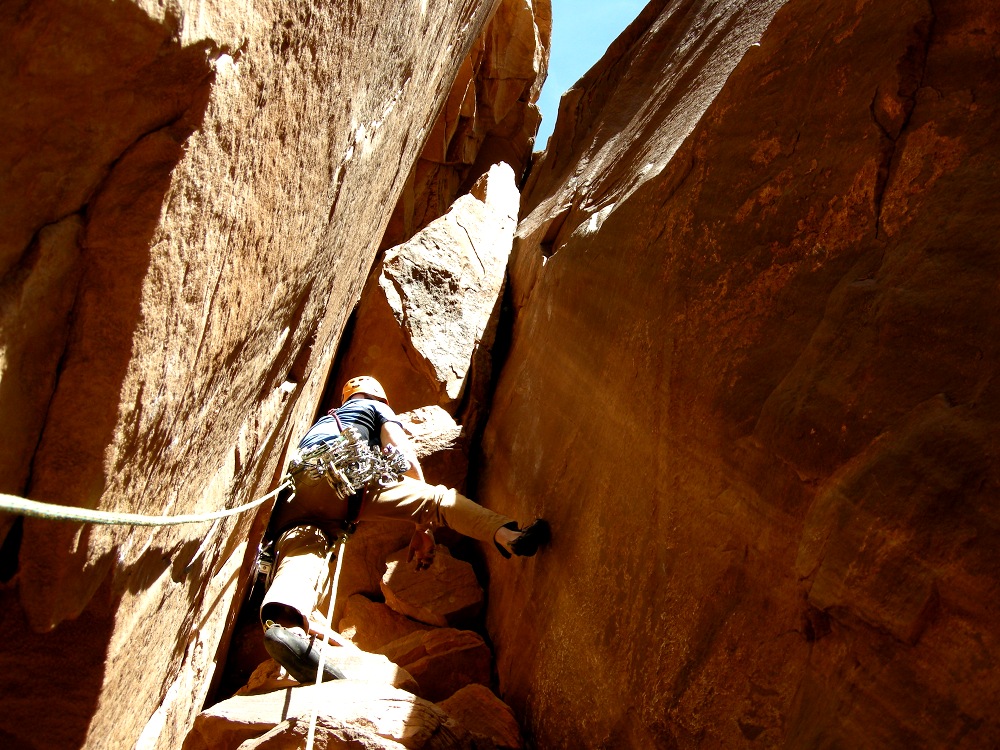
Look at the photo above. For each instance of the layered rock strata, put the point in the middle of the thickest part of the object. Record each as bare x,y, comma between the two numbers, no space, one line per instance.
365,715
192,196
752,384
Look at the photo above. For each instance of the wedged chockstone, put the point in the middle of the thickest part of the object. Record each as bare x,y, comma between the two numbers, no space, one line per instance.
442,660
446,594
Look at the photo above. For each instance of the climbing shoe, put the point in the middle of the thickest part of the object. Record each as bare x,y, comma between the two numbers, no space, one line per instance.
533,536
298,654
530,538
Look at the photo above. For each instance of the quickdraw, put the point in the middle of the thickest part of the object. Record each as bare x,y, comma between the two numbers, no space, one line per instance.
349,464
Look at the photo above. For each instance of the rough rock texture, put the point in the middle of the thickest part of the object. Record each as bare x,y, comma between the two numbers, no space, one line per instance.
293,734
478,710
428,313
371,625
344,705
354,663
445,594
191,197
442,660
753,385
490,116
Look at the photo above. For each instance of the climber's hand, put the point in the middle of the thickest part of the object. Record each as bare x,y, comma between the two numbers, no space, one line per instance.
421,548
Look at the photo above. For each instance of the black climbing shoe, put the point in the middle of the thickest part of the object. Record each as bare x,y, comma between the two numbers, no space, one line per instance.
533,536
298,654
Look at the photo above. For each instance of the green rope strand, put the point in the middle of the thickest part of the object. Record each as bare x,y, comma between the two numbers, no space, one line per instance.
33,508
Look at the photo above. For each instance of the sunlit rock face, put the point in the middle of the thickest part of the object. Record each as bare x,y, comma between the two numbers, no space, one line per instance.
426,320
490,116
191,196
753,386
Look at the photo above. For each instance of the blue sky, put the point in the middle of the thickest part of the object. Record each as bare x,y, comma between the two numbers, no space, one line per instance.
581,33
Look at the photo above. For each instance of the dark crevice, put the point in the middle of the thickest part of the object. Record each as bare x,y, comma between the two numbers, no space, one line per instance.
179,126
286,364
338,184
331,394
25,263
57,376
182,126
13,281
503,342
552,240
888,150
913,70
10,550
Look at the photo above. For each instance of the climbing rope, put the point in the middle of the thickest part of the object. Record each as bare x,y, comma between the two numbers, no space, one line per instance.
314,713
51,511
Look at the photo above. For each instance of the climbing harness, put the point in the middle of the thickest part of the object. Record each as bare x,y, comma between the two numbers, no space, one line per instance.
349,464
51,511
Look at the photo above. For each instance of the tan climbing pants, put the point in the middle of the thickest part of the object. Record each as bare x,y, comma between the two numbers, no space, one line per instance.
301,570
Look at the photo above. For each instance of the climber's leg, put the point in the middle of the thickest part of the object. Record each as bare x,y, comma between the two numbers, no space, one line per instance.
425,504
300,567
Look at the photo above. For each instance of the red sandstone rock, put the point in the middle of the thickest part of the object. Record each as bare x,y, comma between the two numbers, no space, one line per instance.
445,594
371,625
441,444
364,560
442,660
224,175
490,116
753,385
429,304
293,734
345,705
477,709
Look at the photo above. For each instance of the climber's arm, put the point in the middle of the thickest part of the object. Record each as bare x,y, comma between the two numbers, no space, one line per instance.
393,434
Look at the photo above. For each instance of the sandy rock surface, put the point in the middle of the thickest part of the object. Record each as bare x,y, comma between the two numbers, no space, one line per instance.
752,386
425,321
192,196
442,660
445,594
371,625
353,663
477,709
345,705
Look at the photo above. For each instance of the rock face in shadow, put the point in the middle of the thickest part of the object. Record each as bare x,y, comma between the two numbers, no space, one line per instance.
752,384
191,198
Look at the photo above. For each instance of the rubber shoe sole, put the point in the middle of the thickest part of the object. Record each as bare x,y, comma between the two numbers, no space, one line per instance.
534,535
298,654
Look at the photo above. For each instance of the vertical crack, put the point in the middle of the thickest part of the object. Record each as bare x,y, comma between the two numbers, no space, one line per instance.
913,69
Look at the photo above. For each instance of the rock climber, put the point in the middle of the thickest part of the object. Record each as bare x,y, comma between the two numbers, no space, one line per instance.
304,526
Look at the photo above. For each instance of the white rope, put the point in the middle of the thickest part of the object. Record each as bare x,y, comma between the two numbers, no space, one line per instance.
53,512
325,642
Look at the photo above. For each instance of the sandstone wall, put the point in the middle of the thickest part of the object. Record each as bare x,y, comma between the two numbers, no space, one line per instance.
753,386
191,196
490,116
425,322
